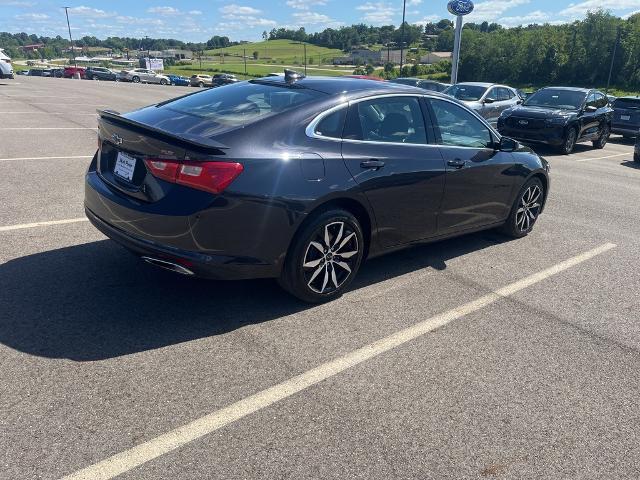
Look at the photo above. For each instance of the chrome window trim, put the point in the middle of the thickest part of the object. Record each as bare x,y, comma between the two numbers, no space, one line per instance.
310,129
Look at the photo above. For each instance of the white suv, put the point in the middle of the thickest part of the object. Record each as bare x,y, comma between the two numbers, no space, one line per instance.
6,70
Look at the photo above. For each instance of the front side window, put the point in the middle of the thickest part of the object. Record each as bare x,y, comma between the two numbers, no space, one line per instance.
592,101
390,119
494,94
504,94
455,126
601,100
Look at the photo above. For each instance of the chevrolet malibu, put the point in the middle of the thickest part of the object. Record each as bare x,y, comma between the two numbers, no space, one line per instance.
301,179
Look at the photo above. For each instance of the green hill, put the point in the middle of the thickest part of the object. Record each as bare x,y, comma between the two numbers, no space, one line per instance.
280,51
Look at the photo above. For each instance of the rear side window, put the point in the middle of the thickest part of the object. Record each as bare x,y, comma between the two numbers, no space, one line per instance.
504,94
631,103
390,119
331,125
457,127
241,104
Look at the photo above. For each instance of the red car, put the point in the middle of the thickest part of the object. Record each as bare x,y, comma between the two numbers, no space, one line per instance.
69,72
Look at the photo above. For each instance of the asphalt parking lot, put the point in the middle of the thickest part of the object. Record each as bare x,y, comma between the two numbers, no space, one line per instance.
476,357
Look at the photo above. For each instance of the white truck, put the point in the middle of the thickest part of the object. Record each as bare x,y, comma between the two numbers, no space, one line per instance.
6,69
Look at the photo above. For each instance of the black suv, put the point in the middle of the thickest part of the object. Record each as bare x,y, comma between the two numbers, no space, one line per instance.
220,79
561,117
626,116
100,73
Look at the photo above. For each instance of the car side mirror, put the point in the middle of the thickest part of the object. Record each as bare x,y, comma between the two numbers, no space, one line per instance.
520,102
507,144
489,100
590,109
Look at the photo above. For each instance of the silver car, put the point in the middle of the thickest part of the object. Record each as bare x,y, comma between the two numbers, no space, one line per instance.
488,99
144,75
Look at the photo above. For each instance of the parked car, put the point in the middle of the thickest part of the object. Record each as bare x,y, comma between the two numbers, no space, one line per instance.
561,117
57,72
39,72
626,116
6,69
178,80
143,75
636,150
488,99
220,79
100,73
201,80
70,71
301,179
22,72
422,83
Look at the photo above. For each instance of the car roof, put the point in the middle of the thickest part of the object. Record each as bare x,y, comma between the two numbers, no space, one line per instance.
573,89
477,84
344,85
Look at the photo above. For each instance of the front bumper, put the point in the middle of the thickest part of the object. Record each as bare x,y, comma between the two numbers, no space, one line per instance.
550,136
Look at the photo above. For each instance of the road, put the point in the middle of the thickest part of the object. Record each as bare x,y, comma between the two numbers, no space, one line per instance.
476,357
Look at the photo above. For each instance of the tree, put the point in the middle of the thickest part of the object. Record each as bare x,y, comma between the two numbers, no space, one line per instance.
256,54
265,36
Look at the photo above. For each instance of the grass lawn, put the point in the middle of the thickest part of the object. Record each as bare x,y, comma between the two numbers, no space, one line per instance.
280,50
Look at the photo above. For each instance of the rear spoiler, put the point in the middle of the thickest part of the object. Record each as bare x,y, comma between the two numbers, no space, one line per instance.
195,140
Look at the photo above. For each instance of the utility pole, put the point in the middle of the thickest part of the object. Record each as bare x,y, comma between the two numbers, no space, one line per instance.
73,50
148,50
244,56
305,58
613,58
404,8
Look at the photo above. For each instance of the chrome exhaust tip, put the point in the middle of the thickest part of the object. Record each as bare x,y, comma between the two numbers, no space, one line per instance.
174,267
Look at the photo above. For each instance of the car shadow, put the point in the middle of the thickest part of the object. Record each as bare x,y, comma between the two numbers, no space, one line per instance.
95,301
631,164
620,140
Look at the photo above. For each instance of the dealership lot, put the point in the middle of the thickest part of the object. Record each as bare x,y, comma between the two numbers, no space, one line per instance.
440,363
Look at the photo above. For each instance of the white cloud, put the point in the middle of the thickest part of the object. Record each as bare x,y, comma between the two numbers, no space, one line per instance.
537,16
413,3
492,9
579,10
313,18
32,17
83,11
164,11
305,4
377,13
428,19
16,3
238,10
195,12
126,20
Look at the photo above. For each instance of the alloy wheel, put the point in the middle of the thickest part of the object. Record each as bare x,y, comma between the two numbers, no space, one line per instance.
330,257
604,138
529,208
570,141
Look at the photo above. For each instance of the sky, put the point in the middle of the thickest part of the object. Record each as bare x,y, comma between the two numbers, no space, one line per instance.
199,20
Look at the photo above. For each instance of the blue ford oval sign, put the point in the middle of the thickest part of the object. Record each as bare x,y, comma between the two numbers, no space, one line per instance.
460,7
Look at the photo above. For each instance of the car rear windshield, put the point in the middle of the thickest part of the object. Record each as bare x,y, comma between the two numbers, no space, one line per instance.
552,98
630,103
405,81
241,104
469,93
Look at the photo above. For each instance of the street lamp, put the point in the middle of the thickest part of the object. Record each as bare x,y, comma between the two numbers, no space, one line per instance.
404,8
73,50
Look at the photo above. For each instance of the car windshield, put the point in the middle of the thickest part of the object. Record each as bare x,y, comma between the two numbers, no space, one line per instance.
466,92
628,103
241,104
555,98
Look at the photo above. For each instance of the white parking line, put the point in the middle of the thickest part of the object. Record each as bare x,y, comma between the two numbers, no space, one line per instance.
606,156
46,158
129,459
21,226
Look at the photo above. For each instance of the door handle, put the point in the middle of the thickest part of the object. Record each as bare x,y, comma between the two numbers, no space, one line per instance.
372,163
457,163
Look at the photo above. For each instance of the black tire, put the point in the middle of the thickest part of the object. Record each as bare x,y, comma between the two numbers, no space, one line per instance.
604,137
317,268
163,81
201,84
95,77
636,157
525,210
135,79
570,139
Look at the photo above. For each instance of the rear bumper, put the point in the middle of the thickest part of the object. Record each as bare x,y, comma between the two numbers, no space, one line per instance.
625,130
205,265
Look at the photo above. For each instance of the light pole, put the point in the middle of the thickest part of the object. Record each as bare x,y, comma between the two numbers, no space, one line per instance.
459,8
404,8
73,50
305,58
613,57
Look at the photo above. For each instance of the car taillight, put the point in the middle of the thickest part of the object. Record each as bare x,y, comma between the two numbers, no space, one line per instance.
212,177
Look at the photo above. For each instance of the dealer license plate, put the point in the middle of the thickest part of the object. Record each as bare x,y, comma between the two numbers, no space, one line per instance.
125,166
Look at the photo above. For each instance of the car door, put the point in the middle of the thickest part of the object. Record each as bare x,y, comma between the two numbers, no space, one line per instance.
480,179
386,149
590,118
491,110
